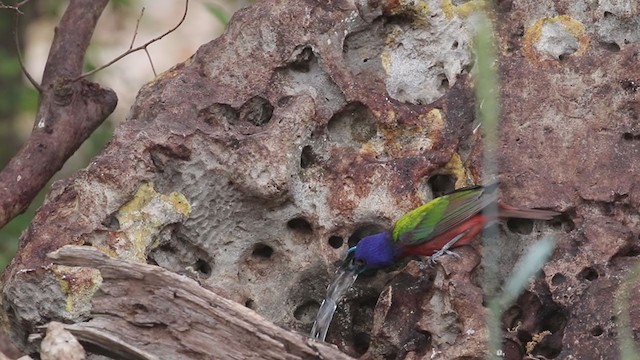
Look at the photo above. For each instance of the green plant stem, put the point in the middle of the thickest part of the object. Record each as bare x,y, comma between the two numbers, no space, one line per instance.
486,87
628,348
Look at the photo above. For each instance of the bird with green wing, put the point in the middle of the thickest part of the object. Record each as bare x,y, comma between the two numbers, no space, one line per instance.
432,229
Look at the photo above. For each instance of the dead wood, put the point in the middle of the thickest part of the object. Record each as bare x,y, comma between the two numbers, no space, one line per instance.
145,312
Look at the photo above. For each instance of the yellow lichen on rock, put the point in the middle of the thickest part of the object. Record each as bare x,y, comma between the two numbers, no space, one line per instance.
141,220
463,10
422,12
78,284
435,119
455,167
534,46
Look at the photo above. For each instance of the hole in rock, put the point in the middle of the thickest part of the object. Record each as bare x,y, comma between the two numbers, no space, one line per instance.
302,58
630,85
284,101
588,273
512,317
354,121
620,198
442,184
361,342
140,307
300,224
161,157
444,84
362,231
400,19
219,112
257,111
558,279
418,343
454,45
629,136
631,250
549,347
307,157
262,251
596,331
520,226
203,267
553,319
249,303
111,223
306,312
611,46
363,126
608,14
563,222
524,335
423,341
336,242
168,248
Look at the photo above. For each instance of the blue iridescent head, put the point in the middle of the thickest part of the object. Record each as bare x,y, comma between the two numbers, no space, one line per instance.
372,252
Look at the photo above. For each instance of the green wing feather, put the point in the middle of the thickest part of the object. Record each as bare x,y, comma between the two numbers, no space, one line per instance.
442,214
423,219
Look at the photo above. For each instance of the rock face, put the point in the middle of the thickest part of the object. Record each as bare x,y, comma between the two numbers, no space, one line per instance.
252,166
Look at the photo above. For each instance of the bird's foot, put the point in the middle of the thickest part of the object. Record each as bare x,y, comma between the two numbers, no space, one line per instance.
433,260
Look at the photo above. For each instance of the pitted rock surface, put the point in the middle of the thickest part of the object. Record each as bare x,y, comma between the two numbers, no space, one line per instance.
309,124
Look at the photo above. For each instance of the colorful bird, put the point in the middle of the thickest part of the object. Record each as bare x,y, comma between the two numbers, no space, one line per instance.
432,229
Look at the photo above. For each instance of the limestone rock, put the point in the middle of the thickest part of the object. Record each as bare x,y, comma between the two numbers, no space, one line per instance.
253,165
59,344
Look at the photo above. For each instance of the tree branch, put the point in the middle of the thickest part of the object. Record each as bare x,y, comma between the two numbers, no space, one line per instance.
67,114
141,47
146,312
15,7
33,81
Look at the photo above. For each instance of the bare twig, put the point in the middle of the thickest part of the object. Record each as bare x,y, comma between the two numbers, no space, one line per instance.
141,47
20,60
15,7
135,33
153,68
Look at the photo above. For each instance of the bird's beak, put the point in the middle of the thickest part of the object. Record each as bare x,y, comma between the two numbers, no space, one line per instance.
350,264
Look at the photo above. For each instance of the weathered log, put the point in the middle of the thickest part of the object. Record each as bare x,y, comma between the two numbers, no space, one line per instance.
146,312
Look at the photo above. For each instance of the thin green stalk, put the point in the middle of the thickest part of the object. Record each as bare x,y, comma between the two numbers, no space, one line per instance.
628,348
487,90
486,87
